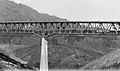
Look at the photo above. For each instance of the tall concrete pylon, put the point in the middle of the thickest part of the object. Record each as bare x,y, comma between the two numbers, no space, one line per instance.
44,56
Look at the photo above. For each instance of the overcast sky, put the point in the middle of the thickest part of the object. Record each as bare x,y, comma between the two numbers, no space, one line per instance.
96,10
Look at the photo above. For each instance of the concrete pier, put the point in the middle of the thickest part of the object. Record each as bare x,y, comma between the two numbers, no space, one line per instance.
44,56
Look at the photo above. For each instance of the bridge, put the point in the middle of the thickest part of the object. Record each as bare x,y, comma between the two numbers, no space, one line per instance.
46,29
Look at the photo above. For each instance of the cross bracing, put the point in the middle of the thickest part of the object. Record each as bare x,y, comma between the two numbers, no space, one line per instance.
49,28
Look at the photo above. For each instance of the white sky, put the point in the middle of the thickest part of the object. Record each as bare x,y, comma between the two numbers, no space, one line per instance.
96,10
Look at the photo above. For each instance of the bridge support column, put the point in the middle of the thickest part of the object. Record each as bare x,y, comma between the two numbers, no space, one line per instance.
44,56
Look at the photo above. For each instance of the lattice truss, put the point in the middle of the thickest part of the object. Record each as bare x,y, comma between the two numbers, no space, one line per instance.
49,28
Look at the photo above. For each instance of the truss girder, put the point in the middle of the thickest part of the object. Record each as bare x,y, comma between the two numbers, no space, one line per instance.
47,28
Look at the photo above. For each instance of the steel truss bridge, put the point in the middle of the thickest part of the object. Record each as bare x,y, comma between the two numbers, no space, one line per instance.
46,29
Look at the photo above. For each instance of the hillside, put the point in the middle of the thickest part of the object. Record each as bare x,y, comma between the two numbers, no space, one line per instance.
73,52
65,52
10,11
108,61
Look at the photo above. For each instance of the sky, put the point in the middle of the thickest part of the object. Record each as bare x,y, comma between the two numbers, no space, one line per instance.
78,10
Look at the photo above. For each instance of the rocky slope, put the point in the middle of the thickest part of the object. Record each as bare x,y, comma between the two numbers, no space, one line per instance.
73,52
108,61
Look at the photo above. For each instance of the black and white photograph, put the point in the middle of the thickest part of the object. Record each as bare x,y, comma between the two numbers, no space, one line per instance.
59,35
